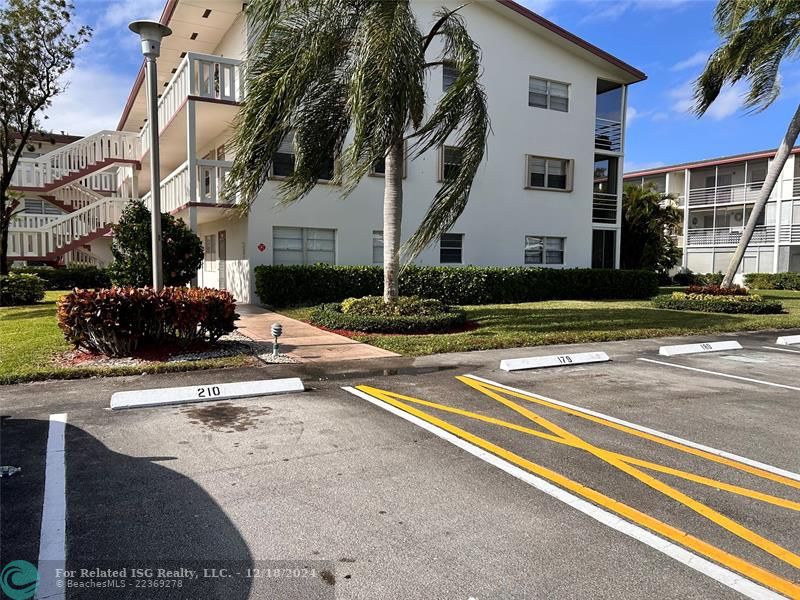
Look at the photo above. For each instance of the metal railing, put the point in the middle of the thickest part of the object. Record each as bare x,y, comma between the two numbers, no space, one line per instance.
790,233
604,208
77,195
725,194
211,177
81,256
607,135
729,236
201,75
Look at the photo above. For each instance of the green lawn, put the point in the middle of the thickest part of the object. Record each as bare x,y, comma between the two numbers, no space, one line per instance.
30,337
564,322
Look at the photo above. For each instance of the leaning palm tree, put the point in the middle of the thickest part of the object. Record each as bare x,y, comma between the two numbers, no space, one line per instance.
346,78
757,36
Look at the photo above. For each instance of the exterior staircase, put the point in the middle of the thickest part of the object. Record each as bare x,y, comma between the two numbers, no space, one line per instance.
79,179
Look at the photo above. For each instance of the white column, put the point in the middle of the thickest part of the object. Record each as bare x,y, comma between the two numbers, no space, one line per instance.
685,259
191,159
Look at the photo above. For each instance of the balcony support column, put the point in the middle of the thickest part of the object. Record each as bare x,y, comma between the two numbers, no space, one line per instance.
685,257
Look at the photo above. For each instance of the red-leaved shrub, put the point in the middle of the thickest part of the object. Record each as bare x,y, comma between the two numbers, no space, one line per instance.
117,321
716,290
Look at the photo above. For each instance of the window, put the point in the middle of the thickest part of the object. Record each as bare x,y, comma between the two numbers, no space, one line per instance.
544,93
283,159
540,250
303,246
450,248
377,247
449,75
210,253
450,162
38,206
550,173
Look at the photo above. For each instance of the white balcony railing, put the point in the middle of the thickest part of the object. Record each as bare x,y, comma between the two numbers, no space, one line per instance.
725,194
99,148
45,241
790,233
210,178
607,135
29,221
729,236
604,208
200,75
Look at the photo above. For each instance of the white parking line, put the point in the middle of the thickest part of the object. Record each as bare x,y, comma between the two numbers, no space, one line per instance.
691,560
728,375
781,349
52,537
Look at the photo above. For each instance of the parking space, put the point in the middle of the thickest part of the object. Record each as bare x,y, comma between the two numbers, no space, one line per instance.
440,477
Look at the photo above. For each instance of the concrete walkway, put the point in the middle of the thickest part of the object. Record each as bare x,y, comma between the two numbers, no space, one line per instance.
301,341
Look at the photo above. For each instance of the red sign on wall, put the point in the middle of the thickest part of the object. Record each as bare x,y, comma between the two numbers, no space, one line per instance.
261,247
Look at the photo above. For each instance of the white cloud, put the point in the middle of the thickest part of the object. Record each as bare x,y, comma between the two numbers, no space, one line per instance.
610,10
695,60
125,11
93,101
541,7
729,101
631,114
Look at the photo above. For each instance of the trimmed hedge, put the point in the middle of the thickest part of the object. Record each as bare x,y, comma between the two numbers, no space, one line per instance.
330,316
20,288
67,278
285,285
753,304
773,281
117,321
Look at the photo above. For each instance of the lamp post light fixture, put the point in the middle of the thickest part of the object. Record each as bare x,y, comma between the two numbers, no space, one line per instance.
151,33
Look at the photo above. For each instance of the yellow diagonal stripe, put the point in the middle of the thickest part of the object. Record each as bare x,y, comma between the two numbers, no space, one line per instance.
683,538
713,483
653,438
709,513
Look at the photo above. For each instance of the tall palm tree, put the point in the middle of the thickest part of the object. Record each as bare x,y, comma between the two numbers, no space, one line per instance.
332,72
757,36
649,221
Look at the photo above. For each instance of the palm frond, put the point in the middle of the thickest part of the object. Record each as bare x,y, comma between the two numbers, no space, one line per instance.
759,35
462,110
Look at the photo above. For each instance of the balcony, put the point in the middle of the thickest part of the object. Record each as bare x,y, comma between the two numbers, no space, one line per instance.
199,76
729,236
607,135
210,178
790,233
725,194
604,208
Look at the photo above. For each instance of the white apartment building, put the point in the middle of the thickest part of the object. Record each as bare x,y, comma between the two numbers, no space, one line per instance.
716,197
548,194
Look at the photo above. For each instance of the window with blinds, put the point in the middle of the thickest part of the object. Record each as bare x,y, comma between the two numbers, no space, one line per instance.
283,159
449,75
451,247
549,173
544,250
449,162
543,93
303,246
377,247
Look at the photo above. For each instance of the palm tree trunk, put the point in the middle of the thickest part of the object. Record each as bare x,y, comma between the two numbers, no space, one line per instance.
775,168
392,219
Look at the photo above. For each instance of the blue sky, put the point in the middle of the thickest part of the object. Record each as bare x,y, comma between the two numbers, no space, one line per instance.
667,39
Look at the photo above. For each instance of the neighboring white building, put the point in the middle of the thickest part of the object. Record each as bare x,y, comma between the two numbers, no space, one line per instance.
716,197
547,195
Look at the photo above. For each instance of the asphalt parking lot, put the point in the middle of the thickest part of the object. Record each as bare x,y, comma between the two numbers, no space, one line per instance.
438,477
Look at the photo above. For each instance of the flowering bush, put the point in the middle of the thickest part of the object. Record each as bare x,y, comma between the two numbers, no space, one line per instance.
748,304
118,321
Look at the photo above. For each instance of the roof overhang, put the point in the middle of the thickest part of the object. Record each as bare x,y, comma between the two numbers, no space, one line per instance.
626,73
187,21
709,162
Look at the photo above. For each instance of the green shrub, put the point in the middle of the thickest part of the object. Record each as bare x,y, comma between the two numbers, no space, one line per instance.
688,277
405,306
773,281
284,285
331,316
67,278
20,288
118,321
751,304
181,248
